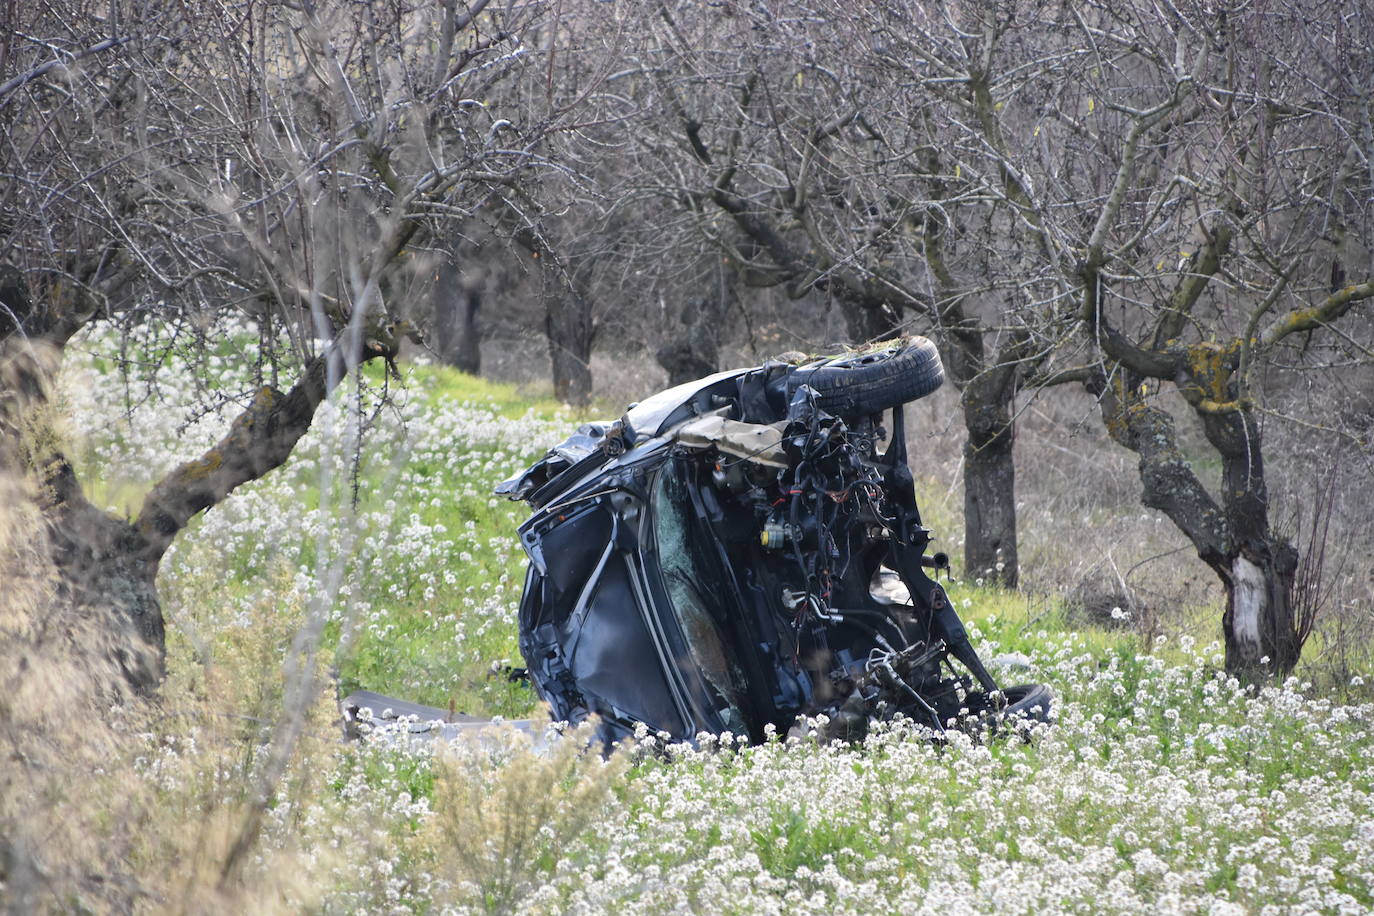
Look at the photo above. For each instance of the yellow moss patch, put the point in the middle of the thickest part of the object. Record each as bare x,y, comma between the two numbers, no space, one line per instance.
204,466
1209,370
1130,403
1298,320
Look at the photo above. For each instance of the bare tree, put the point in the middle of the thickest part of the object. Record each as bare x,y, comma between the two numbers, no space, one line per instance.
809,144
1187,187
1200,179
1281,105
290,164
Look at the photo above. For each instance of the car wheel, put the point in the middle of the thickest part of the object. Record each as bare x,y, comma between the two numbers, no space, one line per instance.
1027,706
871,382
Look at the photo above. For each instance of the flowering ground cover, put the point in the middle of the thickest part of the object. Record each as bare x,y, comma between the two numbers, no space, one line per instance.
1163,786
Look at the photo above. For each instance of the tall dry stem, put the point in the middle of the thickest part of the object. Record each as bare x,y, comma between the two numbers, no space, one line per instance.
506,814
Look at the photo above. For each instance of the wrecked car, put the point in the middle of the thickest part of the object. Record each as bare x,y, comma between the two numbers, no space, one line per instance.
744,550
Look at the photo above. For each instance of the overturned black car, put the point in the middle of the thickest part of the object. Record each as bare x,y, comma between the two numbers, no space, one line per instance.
746,549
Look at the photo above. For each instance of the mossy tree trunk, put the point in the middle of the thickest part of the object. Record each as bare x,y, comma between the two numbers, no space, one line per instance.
1264,629
304,223
98,561
1156,335
104,572
1232,535
107,565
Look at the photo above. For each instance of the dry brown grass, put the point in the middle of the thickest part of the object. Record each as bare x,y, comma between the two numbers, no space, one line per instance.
109,803
49,679
505,816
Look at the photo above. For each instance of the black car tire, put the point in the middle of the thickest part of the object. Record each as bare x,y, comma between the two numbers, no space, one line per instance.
1027,706
870,382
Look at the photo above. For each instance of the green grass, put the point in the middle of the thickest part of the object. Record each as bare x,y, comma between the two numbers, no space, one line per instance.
1155,755
415,638
412,649
414,655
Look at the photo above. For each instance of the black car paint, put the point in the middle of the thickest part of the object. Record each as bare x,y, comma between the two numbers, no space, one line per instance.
601,633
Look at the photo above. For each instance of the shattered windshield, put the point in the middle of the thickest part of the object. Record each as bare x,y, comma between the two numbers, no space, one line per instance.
691,578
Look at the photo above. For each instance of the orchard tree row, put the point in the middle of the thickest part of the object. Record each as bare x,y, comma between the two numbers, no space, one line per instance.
1167,204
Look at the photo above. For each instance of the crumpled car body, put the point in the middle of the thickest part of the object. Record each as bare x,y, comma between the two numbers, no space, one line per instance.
744,550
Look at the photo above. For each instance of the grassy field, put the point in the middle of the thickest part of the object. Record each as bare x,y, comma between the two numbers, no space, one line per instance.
1163,786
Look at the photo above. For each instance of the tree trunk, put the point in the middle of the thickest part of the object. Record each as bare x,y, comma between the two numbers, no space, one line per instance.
989,487
106,567
694,350
866,320
569,329
457,300
988,397
103,573
99,584
1261,636
568,324
1259,626
1257,568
